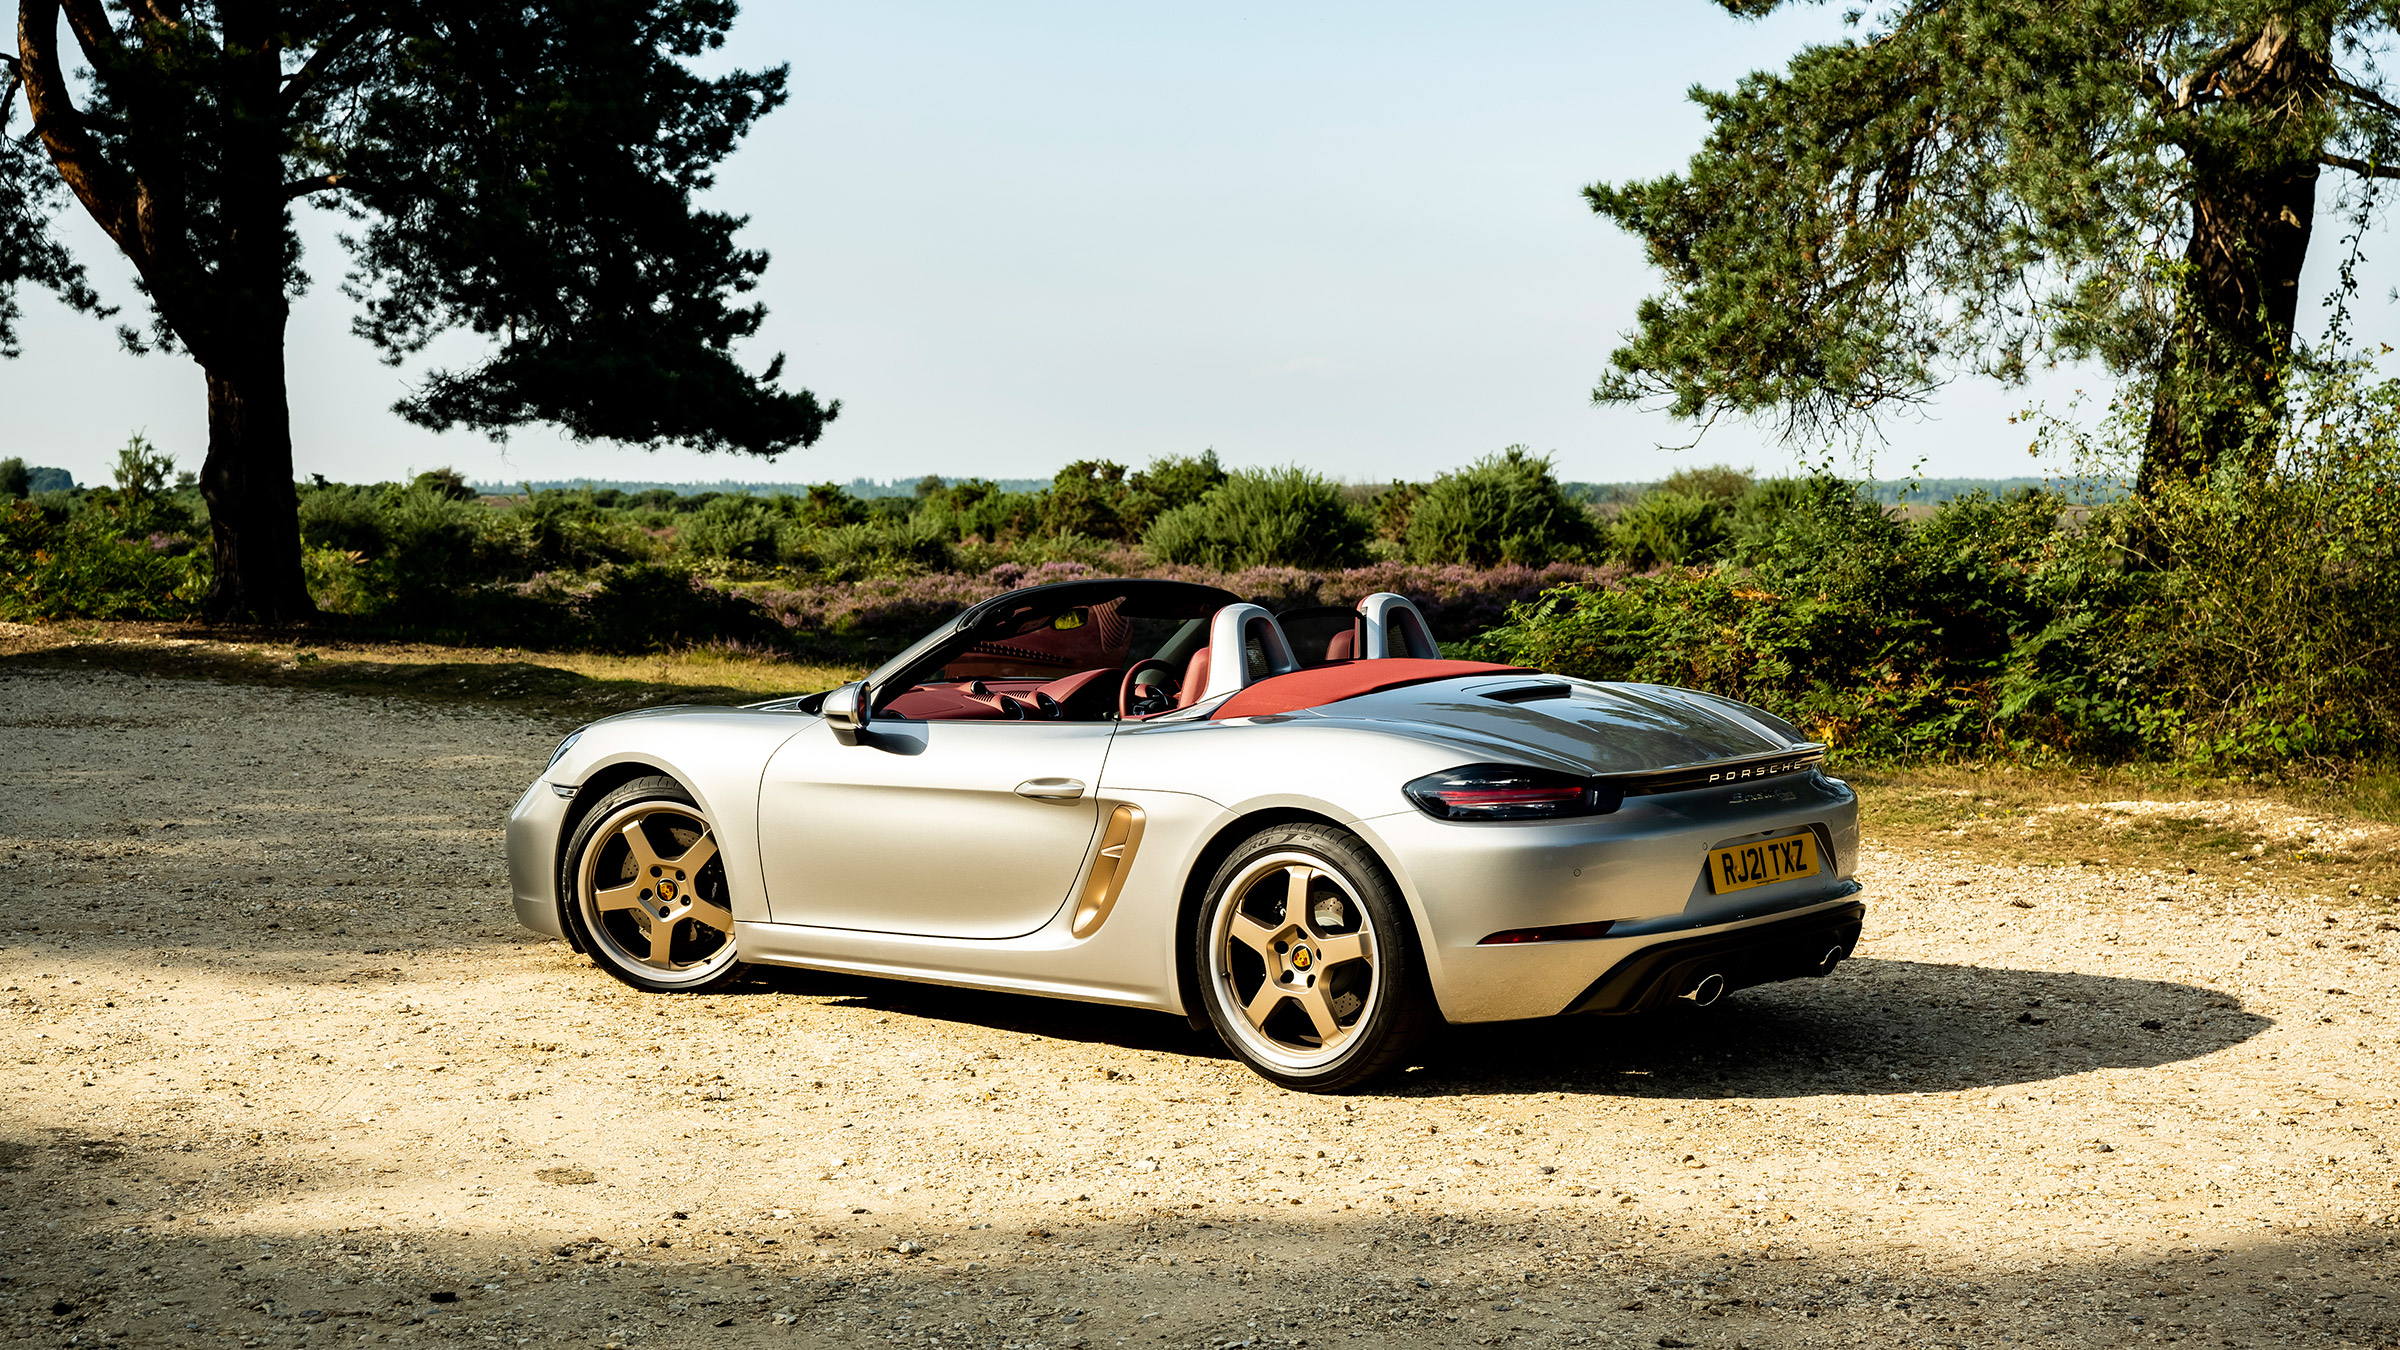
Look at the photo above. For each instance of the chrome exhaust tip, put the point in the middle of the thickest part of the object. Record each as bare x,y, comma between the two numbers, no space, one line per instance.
1706,990
1833,957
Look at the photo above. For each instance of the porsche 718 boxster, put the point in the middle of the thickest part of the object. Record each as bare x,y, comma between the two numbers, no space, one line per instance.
1310,831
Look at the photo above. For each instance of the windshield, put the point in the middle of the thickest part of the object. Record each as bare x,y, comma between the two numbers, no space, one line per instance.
1047,646
1073,651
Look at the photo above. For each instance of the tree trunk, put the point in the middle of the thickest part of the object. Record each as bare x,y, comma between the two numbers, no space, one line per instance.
2254,203
253,513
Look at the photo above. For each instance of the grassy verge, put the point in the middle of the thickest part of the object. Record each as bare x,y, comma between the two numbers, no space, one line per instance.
567,687
2339,841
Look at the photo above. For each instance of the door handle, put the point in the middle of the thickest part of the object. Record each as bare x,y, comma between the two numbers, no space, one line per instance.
1051,789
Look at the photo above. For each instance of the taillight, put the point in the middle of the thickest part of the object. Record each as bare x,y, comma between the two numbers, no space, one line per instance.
1509,792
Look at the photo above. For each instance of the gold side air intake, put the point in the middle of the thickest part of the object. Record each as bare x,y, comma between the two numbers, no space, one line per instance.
1117,845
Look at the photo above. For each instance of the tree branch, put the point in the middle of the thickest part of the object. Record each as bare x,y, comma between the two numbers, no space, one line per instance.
298,84
104,189
2367,96
88,19
2363,168
329,182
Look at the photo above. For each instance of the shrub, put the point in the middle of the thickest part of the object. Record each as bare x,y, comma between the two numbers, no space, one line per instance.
342,518
1087,497
1504,508
1170,482
2270,627
1667,527
1870,634
884,547
648,608
554,530
84,567
733,529
1716,482
1287,517
976,509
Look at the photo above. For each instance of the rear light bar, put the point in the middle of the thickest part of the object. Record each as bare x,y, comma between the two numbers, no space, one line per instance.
1510,792
1565,932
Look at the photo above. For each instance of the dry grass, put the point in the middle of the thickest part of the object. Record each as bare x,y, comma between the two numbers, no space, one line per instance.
569,686
2334,839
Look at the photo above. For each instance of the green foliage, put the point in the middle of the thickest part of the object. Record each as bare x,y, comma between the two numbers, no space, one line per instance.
1670,527
2249,620
445,482
1868,633
1984,185
734,529
342,518
1504,508
86,567
1087,497
142,474
1287,517
16,481
1171,481
1716,482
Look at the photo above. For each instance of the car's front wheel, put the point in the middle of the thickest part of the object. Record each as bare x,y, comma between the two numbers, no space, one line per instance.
647,890
1308,962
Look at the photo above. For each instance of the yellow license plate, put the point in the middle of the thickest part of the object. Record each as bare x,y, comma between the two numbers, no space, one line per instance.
1763,863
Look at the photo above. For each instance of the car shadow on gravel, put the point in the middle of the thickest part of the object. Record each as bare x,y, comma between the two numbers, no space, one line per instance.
1872,1027
1052,1018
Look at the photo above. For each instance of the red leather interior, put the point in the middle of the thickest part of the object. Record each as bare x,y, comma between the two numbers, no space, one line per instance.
1344,647
1320,685
1195,679
1085,695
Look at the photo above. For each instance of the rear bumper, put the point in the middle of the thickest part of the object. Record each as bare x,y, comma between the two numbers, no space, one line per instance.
1780,949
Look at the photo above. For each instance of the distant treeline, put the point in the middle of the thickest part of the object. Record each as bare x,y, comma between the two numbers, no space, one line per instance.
1888,491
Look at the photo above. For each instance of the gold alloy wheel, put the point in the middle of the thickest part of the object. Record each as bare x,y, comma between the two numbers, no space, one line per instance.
1294,959
653,889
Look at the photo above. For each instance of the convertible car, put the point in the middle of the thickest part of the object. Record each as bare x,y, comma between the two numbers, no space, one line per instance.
1309,831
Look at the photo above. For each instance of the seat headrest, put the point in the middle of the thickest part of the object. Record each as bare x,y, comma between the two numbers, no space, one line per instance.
1195,679
1395,627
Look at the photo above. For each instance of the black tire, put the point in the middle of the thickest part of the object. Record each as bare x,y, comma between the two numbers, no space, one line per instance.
1376,1001
691,903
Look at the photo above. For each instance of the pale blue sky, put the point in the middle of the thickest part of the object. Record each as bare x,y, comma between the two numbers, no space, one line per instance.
1011,235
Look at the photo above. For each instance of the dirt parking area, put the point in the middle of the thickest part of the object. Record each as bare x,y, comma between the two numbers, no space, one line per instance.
284,1072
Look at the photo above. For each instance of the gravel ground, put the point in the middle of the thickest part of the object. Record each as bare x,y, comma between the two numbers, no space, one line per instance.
287,1074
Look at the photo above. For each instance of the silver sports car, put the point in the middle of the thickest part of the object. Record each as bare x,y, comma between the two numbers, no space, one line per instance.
1308,831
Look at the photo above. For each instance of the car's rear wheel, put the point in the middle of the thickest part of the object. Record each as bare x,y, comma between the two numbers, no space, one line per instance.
647,892
1308,962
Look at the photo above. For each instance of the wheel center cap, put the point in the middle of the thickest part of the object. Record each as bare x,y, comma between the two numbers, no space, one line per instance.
1303,958
666,890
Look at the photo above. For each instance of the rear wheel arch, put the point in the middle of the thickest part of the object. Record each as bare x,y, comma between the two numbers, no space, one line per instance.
1204,868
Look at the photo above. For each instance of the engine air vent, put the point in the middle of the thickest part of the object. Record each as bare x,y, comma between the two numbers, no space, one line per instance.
1530,693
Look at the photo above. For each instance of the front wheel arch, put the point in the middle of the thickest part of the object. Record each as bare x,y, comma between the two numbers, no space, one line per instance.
589,793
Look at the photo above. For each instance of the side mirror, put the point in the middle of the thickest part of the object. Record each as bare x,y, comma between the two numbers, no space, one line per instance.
848,710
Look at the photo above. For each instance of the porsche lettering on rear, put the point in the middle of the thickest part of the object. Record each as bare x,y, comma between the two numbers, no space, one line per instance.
1375,840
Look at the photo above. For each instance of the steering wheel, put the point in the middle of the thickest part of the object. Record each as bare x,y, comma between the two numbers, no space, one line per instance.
1130,704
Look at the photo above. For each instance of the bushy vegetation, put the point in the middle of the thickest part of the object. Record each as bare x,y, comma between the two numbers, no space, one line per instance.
1289,517
2249,620
1507,508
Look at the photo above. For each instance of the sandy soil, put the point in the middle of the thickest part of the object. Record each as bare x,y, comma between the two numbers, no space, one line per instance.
287,1074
